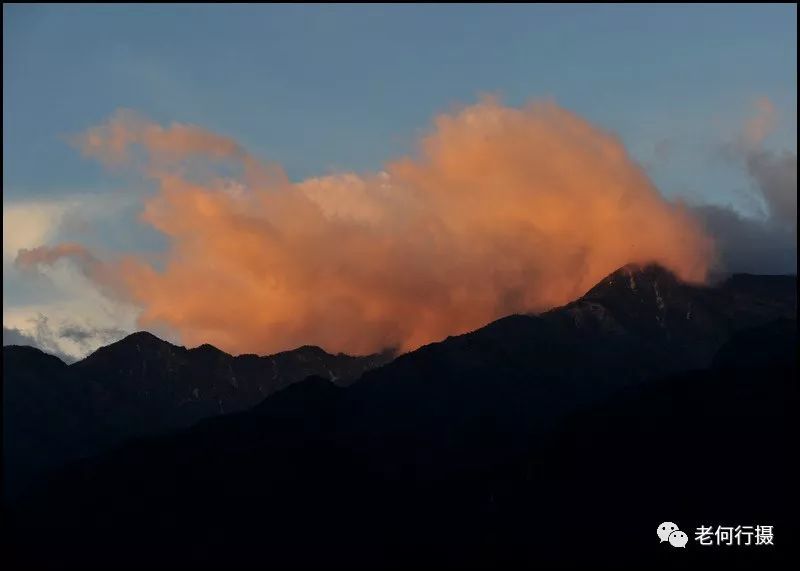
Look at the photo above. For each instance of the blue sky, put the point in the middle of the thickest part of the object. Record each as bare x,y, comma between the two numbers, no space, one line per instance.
324,87
331,88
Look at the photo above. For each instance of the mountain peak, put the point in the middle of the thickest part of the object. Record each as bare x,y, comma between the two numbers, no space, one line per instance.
308,351
28,354
634,277
647,299
141,337
208,349
141,341
647,271
137,342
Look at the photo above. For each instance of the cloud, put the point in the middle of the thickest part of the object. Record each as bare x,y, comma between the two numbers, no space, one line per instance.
774,173
76,312
13,336
28,259
112,142
749,245
502,210
97,273
43,275
43,337
87,336
28,224
760,125
39,233
767,244
67,340
775,177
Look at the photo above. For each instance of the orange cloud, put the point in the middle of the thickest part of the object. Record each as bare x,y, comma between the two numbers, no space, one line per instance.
111,143
503,210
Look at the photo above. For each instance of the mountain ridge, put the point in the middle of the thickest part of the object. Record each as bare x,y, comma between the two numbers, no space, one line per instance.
613,335
56,412
280,476
651,272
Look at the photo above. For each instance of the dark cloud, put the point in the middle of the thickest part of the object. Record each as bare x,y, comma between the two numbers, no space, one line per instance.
747,245
768,244
85,335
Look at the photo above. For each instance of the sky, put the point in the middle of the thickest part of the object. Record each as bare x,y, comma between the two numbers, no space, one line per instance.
703,98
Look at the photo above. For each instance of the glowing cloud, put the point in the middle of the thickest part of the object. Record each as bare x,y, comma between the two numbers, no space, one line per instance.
503,210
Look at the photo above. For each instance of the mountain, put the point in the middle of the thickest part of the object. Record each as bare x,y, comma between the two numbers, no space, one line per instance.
510,380
421,463
260,488
54,413
650,305
704,447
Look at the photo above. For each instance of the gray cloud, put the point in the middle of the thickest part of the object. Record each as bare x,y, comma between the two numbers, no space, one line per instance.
49,340
765,245
758,245
775,175
87,337
747,245
13,336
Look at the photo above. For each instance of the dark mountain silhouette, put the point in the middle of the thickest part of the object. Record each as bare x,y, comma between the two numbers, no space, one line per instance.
54,413
536,439
502,384
704,447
